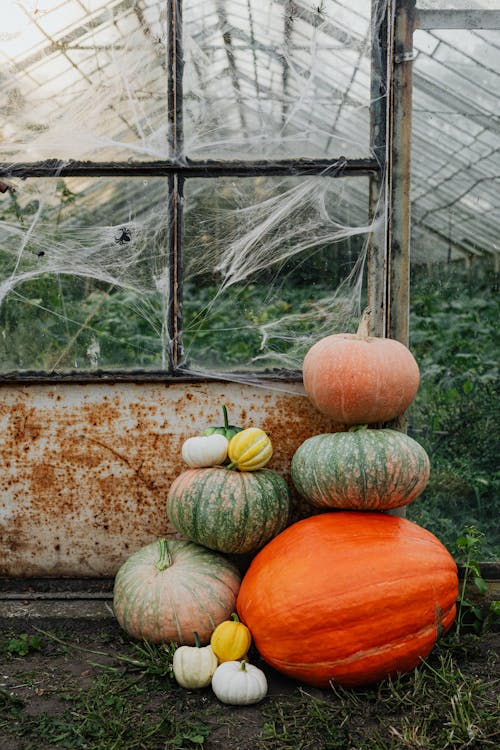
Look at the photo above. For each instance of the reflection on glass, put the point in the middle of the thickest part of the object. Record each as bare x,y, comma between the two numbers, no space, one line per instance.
82,80
276,79
88,79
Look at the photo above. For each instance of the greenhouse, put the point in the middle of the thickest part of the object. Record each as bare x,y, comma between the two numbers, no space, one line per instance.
272,227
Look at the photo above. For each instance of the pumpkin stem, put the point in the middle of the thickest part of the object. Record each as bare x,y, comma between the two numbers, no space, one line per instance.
363,329
226,420
357,427
235,617
165,560
196,639
232,465
243,665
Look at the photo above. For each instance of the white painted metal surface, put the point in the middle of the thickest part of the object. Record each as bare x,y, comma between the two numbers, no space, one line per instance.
85,469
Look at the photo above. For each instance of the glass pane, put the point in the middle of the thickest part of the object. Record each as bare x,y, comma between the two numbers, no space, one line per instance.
88,79
83,275
455,303
276,79
271,264
83,79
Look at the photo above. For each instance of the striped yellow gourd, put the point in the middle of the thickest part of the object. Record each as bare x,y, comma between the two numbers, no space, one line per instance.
249,449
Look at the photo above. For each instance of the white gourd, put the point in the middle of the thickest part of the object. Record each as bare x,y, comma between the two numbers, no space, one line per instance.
194,666
203,451
239,683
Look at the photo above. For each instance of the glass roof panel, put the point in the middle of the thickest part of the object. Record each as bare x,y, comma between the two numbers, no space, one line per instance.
260,78
82,80
307,63
456,142
87,79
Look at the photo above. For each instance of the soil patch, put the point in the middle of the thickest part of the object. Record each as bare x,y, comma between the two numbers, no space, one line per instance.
81,687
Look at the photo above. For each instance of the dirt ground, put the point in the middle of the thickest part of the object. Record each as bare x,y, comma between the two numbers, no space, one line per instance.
45,680
73,687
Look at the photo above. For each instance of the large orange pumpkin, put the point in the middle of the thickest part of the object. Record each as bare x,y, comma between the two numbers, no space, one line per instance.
357,379
349,597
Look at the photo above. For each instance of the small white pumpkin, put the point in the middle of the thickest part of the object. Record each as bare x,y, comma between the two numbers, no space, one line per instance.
205,450
194,666
239,683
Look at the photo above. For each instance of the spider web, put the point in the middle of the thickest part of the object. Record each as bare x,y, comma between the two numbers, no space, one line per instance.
271,264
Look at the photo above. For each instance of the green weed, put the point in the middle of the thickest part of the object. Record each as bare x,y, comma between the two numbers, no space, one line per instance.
116,712
472,614
449,702
21,645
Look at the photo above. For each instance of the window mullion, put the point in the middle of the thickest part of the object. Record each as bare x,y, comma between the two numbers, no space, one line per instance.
175,183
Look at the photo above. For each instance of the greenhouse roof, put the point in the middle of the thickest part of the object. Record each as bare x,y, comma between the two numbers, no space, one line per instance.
87,80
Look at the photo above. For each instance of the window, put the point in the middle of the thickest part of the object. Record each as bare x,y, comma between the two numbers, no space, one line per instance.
201,189
186,184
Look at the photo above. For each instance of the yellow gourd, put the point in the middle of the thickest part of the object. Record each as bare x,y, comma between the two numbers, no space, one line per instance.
230,640
249,450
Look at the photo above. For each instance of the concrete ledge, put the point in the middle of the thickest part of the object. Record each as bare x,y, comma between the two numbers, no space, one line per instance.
68,617
88,604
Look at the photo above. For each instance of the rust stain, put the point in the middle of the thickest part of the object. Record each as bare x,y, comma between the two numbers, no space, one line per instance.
85,470
23,425
136,470
44,479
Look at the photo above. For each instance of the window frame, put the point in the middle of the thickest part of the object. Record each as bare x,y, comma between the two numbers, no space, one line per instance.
178,168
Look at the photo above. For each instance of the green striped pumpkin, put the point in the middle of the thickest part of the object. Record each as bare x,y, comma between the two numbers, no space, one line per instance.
171,589
361,469
229,511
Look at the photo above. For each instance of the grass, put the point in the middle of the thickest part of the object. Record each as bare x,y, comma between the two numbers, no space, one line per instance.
435,706
129,701
114,693
114,712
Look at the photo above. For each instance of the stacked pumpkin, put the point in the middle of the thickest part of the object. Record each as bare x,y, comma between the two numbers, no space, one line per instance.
184,591
350,596
228,501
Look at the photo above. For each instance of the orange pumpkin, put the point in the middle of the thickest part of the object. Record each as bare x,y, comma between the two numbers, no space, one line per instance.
348,597
359,379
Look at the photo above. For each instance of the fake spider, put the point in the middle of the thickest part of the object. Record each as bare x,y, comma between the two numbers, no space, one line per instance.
123,236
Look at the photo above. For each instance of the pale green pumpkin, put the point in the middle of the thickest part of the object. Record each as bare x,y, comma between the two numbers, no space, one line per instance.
171,589
362,469
229,511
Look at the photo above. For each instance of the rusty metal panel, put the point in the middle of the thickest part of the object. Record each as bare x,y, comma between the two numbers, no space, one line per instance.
85,469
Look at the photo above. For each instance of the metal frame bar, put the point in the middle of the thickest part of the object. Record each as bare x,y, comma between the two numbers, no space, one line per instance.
458,19
178,375
340,167
173,322
389,253
398,171
377,247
